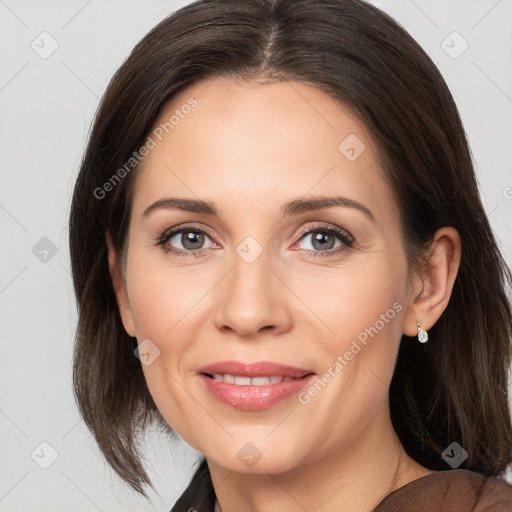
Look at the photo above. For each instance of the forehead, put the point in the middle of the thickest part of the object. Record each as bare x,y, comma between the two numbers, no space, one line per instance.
252,144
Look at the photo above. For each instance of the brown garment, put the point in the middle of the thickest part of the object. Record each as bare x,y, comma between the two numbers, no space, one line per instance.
456,490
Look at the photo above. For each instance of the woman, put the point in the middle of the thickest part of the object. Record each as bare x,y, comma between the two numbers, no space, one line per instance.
280,254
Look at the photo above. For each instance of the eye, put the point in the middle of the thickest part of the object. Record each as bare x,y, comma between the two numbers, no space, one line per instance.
185,241
322,239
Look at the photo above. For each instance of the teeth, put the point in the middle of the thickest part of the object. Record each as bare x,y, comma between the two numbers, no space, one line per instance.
227,378
248,381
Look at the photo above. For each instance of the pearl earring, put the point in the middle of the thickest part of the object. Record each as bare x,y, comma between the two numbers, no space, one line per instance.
422,335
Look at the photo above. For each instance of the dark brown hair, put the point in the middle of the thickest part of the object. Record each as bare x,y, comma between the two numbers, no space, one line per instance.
452,389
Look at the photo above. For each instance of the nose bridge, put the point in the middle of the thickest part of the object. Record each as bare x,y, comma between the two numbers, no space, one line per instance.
250,298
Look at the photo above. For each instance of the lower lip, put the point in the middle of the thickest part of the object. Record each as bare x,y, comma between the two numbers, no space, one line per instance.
253,398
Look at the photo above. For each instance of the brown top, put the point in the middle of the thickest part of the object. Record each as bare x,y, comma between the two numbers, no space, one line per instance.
457,490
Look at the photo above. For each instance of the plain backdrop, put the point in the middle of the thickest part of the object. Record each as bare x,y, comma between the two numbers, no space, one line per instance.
47,102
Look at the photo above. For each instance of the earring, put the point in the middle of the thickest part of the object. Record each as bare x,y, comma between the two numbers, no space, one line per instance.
422,335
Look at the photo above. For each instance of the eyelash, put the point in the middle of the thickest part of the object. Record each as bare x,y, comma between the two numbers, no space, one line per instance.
347,240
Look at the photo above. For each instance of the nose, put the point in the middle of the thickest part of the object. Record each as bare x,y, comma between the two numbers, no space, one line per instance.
252,298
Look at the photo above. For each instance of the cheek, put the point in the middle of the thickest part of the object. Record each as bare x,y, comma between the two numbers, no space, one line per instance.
351,302
160,298
162,305
363,308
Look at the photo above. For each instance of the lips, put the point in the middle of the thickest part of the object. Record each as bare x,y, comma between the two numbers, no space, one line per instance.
253,386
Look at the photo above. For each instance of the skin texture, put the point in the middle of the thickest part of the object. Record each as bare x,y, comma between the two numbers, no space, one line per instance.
250,147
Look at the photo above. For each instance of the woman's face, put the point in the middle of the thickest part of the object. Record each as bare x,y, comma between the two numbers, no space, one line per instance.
254,283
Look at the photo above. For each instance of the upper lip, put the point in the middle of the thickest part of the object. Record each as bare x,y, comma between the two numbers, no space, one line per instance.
255,369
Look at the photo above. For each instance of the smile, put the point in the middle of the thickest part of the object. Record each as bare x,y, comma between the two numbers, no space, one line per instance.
253,393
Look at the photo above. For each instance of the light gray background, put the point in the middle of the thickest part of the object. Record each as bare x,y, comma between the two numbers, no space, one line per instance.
46,108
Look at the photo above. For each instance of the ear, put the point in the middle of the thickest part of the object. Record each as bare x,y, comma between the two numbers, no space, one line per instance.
119,284
432,288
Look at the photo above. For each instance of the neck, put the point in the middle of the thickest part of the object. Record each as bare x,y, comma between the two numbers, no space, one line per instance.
354,478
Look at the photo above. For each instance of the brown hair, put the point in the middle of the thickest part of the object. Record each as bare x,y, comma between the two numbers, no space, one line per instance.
452,389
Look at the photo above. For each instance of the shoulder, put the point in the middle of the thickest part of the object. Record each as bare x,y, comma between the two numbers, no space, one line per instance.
457,490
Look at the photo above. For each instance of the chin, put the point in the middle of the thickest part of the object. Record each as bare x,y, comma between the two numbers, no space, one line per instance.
250,460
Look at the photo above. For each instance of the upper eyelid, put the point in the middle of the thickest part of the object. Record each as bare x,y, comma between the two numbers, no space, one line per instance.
174,231
334,229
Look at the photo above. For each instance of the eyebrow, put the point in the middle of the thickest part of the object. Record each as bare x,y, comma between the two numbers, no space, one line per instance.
293,207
